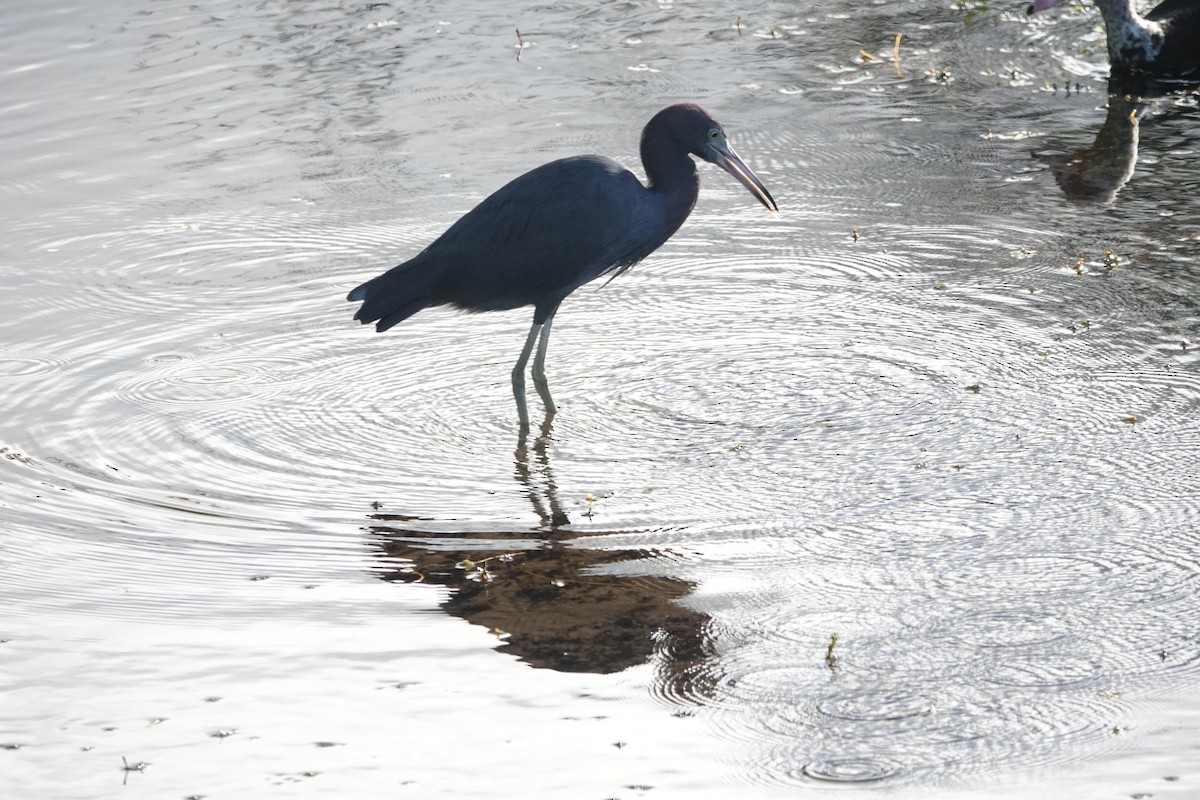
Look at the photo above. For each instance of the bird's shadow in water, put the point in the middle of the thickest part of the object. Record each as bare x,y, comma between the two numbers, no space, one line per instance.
551,600
1097,173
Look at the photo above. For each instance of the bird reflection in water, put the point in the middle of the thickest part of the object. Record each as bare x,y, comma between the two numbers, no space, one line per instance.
1097,173
545,499
1149,57
553,601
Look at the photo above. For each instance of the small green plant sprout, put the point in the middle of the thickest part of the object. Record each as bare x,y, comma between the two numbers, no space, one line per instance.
479,571
480,574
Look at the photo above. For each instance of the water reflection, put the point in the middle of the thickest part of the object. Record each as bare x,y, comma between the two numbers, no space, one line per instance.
554,602
1098,172
544,498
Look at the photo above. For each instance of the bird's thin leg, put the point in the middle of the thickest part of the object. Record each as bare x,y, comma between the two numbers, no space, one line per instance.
518,374
539,369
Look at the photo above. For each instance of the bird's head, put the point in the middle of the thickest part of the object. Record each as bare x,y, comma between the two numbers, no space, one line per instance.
698,133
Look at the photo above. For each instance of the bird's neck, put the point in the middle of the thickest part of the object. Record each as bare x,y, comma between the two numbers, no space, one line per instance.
672,178
1132,39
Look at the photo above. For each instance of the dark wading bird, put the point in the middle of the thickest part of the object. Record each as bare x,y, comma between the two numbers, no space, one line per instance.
555,228
1162,46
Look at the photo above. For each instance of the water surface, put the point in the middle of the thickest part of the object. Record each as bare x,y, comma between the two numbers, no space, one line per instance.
897,489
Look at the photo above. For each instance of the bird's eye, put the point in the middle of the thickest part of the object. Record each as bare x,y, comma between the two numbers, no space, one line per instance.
714,134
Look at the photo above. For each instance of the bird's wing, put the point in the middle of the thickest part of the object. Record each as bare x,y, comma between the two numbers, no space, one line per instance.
1178,57
1169,9
549,231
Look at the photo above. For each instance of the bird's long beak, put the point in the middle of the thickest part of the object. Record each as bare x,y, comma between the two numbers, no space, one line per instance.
728,160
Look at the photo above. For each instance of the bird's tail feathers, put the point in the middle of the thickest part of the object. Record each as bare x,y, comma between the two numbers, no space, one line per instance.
401,313
393,296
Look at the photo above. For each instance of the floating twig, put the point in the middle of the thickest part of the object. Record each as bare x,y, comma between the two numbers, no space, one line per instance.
830,657
139,766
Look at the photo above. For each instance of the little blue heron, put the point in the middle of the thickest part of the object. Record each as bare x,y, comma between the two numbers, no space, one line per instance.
555,228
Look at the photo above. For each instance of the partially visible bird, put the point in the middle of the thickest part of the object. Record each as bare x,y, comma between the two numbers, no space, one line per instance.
1164,45
555,228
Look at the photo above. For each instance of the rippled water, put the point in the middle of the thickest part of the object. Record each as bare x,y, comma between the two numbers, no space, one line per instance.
898,488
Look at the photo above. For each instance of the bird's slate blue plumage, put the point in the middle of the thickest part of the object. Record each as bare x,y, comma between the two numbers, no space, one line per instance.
533,242
555,228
